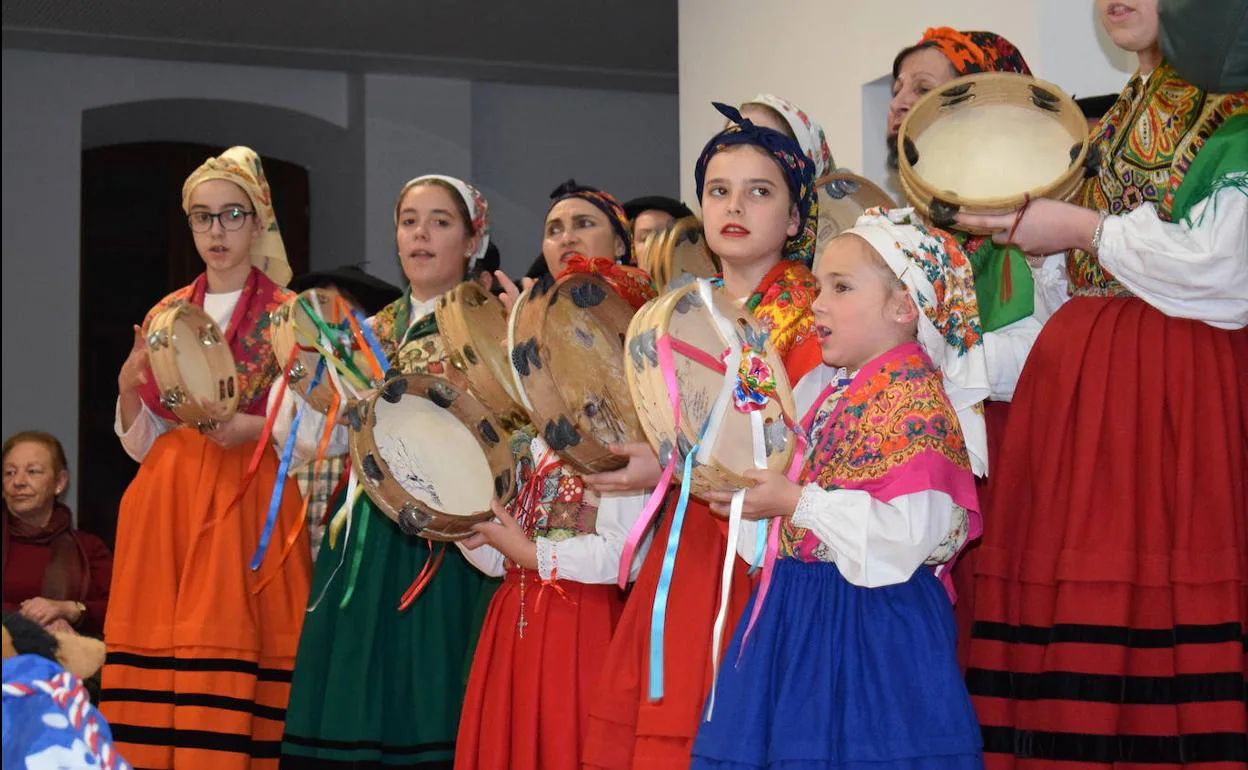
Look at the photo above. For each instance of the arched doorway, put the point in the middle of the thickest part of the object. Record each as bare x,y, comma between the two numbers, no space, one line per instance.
136,248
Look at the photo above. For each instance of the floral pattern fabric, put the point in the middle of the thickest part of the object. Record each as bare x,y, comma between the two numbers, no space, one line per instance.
247,335
781,302
976,51
49,722
1148,141
892,431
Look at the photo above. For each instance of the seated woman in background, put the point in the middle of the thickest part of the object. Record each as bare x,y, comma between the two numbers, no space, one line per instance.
53,574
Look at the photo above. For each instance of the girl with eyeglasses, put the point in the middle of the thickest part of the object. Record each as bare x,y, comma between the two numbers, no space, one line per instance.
200,647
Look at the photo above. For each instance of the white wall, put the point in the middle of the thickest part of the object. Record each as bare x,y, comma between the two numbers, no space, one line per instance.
516,142
834,59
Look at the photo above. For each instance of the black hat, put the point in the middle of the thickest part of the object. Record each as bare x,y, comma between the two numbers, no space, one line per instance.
1095,107
372,293
490,260
662,203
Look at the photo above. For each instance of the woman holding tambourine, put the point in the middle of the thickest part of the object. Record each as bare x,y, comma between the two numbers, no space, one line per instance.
200,647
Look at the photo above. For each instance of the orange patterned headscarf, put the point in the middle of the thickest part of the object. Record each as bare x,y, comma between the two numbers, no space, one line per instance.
971,52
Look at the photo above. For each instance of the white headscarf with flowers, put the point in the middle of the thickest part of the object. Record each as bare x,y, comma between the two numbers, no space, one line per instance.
936,271
808,133
478,209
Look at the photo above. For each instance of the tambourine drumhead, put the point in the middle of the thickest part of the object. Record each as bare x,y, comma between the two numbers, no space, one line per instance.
568,349
843,197
683,315
292,326
985,143
430,455
192,366
473,324
683,252
993,151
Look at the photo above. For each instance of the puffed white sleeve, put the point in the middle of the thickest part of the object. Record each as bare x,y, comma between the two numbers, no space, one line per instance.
144,431
486,558
876,543
1006,350
310,429
596,558
1048,275
1197,271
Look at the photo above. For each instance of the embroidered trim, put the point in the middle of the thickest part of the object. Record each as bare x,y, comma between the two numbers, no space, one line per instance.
807,504
954,540
545,558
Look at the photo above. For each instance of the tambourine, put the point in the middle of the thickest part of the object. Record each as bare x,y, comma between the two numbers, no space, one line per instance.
843,197
473,325
294,327
736,416
430,455
988,142
679,254
567,351
193,366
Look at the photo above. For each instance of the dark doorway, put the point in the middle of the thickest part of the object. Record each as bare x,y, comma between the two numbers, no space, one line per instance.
136,248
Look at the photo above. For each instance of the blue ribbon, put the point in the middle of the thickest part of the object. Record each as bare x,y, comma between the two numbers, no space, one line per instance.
283,467
658,615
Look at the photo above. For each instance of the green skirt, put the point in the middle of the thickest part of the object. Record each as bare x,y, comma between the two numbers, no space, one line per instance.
375,687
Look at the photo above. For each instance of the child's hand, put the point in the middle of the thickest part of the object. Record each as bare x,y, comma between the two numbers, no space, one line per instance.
506,535
774,496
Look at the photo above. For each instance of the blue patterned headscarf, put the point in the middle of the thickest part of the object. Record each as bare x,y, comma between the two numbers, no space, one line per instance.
794,164
604,202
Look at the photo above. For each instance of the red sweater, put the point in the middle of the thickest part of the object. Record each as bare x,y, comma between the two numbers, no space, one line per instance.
23,577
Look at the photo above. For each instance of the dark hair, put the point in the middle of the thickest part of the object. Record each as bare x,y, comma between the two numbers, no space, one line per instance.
49,442
460,205
901,56
30,638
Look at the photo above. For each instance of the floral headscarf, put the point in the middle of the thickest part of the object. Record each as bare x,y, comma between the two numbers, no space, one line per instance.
809,134
604,202
970,52
938,275
241,165
478,209
795,166
631,283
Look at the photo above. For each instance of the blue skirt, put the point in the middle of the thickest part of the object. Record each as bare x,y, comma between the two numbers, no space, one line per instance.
837,676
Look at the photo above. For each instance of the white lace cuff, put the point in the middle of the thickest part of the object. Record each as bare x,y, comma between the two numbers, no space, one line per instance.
546,559
807,505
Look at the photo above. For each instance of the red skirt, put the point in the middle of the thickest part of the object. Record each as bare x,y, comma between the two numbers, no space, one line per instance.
1112,584
626,730
526,700
963,575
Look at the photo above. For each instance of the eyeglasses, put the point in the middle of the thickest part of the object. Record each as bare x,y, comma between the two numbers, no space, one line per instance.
231,219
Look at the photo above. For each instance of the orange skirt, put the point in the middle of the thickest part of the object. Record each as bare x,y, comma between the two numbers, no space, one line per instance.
200,648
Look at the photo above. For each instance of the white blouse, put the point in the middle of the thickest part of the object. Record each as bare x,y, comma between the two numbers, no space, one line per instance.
1197,271
585,558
